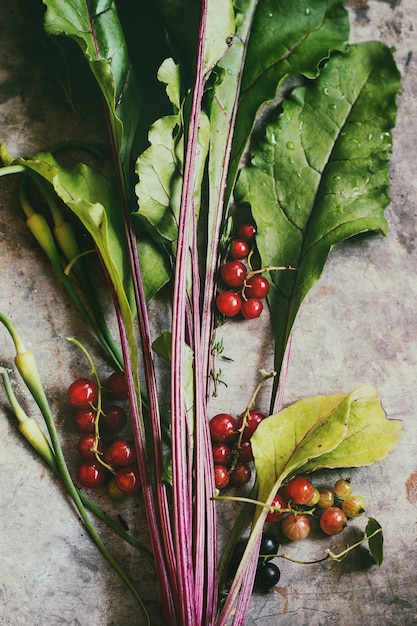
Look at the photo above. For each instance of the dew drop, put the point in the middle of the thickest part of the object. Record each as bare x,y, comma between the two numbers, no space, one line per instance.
307,11
290,160
337,177
290,145
326,91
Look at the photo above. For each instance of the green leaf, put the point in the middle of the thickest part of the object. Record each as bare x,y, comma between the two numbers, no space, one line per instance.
320,175
286,38
302,431
96,28
160,171
324,431
375,542
369,438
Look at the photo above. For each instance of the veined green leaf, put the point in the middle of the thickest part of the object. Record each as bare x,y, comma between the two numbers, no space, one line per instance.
160,172
376,542
320,175
286,39
96,28
369,438
182,23
322,432
302,431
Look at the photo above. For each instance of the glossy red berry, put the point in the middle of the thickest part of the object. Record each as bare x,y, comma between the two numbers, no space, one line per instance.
252,419
222,454
252,308
245,452
221,476
121,453
92,474
117,385
333,520
239,249
300,490
82,393
326,499
229,303
127,479
84,420
280,503
223,428
257,286
240,475
247,232
87,446
233,273
113,419
296,527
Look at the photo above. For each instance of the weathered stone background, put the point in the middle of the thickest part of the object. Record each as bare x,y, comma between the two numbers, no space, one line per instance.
357,325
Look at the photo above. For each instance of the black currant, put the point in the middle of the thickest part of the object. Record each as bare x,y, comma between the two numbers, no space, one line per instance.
267,575
269,546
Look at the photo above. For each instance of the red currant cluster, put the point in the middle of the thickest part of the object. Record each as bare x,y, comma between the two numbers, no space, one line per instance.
248,288
232,449
298,502
113,464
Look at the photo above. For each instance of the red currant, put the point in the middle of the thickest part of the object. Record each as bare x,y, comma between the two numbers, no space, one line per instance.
245,452
240,475
223,428
87,446
229,303
82,393
233,273
252,419
121,453
326,499
354,506
239,249
279,502
333,520
92,474
251,308
221,476
117,385
300,490
84,420
113,419
296,527
257,286
222,454
247,232
127,479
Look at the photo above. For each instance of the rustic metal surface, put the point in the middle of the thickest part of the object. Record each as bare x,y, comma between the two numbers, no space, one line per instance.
357,325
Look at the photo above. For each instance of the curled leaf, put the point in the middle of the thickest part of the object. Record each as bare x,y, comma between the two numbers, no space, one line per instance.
322,432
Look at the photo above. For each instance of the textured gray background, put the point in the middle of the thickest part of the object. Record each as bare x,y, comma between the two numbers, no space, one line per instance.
357,325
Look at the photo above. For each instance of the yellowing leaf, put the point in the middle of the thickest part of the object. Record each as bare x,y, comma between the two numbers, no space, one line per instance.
370,435
322,432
